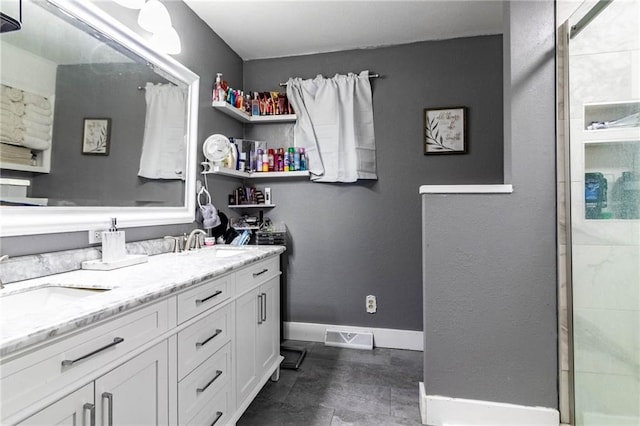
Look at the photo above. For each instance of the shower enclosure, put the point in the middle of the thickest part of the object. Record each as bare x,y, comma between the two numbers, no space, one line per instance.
599,76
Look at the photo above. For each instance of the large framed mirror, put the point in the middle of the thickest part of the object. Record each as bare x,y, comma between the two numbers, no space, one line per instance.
116,137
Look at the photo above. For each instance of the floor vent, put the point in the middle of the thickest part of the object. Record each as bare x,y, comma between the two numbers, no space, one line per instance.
349,339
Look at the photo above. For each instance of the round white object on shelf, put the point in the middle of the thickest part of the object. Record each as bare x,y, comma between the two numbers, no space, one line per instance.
216,148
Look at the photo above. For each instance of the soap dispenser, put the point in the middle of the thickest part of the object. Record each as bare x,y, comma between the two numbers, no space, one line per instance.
113,243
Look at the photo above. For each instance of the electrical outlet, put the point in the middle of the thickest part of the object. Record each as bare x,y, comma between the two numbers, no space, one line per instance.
95,236
371,304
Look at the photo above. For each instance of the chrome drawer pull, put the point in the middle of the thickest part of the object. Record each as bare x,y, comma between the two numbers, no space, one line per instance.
109,397
69,362
255,274
218,373
217,293
92,414
199,344
218,415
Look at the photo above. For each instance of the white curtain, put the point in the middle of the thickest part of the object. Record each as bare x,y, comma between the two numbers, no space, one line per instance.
164,143
335,126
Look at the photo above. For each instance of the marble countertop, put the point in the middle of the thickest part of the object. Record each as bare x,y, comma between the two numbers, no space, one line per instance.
128,287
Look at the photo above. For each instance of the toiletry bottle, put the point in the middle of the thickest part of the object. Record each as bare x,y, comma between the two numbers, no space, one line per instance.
265,162
259,160
271,159
303,160
255,105
217,87
113,243
285,161
290,154
296,160
280,162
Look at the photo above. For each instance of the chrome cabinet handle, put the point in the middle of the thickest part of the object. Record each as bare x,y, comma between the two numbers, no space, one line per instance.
92,414
207,340
217,293
264,308
69,362
259,309
218,415
109,397
255,274
218,373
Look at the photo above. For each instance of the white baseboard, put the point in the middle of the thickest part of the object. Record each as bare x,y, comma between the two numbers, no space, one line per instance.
382,337
443,411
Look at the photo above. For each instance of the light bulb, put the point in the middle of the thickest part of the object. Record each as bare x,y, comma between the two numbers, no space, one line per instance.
167,40
154,17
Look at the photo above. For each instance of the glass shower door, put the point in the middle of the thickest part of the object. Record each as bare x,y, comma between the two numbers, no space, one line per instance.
604,98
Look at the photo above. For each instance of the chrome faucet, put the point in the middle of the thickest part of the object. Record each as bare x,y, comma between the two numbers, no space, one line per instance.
194,233
1,259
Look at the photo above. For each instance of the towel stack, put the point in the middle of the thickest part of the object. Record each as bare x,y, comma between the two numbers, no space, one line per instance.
15,154
25,123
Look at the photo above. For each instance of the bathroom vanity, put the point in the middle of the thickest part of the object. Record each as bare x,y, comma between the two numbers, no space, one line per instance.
187,338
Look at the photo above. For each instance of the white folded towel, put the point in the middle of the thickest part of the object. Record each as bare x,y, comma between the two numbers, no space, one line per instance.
37,114
35,133
10,120
14,107
13,137
37,100
10,93
29,124
36,143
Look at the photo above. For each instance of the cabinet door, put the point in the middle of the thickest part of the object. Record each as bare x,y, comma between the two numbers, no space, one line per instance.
136,393
268,346
246,328
74,409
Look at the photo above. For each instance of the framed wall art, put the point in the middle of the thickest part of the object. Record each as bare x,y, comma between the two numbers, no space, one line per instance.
96,136
445,130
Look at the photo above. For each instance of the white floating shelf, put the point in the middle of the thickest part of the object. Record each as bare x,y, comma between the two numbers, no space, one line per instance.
246,118
217,170
251,206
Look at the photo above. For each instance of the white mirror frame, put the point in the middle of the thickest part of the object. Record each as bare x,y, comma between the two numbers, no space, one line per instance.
45,220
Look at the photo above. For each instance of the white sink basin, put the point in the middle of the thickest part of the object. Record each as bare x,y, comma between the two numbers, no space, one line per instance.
218,251
42,298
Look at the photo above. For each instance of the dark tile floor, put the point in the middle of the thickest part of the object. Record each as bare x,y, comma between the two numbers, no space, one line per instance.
338,386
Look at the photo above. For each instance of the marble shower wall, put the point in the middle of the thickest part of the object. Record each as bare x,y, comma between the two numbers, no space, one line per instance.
605,254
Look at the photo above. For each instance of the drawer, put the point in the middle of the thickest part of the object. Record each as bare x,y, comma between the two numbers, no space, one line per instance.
257,273
202,339
194,301
204,385
31,377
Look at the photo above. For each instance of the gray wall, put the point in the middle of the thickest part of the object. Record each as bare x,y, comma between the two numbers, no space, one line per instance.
351,240
490,326
204,53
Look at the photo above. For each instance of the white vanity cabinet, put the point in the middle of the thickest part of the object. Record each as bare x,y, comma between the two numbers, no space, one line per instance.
136,393
50,371
198,356
75,409
258,328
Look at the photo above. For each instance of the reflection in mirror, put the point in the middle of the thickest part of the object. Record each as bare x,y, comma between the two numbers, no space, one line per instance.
91,117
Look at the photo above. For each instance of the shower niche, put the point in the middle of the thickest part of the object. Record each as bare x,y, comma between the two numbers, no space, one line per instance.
611,136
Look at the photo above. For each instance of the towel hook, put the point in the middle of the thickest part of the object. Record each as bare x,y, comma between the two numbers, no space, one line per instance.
204,191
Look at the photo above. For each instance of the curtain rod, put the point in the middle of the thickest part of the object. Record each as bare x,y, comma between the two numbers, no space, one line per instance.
370,76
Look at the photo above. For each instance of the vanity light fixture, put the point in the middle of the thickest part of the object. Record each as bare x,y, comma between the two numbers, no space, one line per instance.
131,4
167,40
154,17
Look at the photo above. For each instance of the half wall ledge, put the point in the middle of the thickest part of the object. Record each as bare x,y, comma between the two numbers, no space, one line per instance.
466,189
